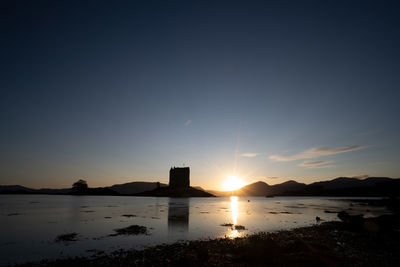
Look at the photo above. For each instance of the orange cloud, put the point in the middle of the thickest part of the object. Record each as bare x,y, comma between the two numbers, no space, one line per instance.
316,152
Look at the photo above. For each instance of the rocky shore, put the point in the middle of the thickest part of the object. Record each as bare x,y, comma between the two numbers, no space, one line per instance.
323,244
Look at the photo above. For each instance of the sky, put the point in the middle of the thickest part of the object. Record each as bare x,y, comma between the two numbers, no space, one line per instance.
120,91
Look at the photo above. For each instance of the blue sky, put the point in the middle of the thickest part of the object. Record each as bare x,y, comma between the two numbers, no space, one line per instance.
266,90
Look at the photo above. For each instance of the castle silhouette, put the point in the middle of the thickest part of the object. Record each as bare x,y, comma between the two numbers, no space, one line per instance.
179,177
179,186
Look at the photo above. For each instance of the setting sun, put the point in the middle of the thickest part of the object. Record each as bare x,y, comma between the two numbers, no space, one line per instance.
233,183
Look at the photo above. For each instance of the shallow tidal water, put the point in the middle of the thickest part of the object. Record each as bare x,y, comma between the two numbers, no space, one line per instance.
29,224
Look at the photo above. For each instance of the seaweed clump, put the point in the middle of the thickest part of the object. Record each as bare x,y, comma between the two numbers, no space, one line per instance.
131,230
234,226
66,237
239,227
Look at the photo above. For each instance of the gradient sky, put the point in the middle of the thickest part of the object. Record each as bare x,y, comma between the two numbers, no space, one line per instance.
266,90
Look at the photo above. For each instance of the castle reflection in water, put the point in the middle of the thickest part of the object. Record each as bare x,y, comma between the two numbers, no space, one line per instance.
178,215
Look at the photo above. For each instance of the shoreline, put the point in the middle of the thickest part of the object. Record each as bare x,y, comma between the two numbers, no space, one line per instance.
322,244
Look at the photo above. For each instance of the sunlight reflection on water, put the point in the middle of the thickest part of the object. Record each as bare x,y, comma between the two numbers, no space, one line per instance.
234,207
232,232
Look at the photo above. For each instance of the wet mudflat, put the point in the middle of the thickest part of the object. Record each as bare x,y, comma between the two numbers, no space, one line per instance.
326,244
41,225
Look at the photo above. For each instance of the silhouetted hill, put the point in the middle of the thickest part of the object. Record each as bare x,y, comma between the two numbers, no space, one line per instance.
175,192
49,191
286,186
16,189
98,191
344,186
119,189
345,182
135,187
256,189
262,189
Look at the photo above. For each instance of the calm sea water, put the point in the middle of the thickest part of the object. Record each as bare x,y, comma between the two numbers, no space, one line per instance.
29,224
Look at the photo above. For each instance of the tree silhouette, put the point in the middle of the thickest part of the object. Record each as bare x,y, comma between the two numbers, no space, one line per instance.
80,185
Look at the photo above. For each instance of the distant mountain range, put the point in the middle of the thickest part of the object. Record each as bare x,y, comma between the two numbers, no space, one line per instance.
342,186
118,189
261,189
18,189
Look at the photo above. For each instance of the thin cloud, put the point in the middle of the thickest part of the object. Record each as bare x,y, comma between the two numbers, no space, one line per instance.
359,176
249,155
267,177
316,152
188,122
316,164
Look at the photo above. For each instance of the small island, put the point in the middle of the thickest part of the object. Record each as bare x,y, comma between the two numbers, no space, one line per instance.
179,186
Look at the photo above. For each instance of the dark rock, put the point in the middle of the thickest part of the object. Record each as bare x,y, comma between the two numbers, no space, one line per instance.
350,219
239,227
328,211
131,230
66,237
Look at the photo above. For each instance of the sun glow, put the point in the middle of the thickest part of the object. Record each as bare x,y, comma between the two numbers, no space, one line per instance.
233,183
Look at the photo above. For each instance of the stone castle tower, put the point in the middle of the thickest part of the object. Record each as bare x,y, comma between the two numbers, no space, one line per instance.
179,177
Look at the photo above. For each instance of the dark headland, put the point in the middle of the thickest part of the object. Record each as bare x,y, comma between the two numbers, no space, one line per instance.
175,192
